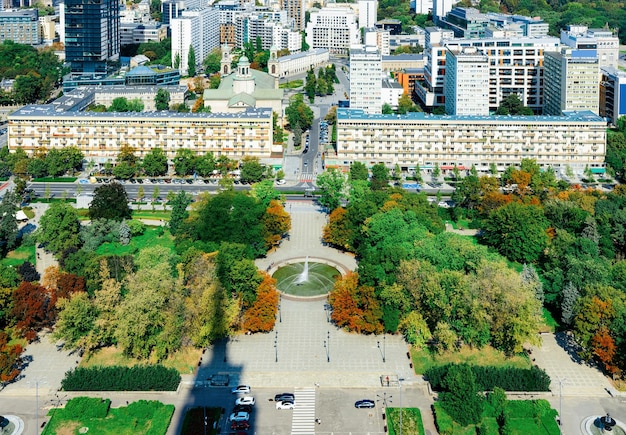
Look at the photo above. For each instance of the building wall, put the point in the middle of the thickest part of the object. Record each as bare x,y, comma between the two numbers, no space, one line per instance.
612,93
368,12
333,28
365,79
425,140
21,26
100,135
147,95
467,82
198,28
138,33
300,63
295,10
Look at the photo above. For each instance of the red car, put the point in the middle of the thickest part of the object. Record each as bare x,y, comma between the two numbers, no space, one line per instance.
240,425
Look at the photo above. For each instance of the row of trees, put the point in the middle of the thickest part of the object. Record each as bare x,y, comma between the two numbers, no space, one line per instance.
321,85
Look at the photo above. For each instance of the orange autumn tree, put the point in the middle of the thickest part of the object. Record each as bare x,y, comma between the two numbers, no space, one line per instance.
276,222
337,231
261,316
9,359
604,348
355,307
32,309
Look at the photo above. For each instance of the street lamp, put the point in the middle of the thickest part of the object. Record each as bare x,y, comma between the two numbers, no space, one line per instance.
384,398
328,348
280,313
561,381
276,345
205,422
36,382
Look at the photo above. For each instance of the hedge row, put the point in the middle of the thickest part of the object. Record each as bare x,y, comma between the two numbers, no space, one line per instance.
118,378
507,378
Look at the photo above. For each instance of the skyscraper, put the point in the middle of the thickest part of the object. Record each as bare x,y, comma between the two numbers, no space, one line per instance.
91,34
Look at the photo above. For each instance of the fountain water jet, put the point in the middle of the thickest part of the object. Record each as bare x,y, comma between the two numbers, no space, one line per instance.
304,276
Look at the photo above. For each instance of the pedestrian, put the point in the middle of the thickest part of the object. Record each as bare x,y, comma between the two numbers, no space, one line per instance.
318,421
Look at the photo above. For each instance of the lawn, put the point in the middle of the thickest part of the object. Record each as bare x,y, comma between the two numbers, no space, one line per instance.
526,417
153,236
293,84
411,421
550,323
193,424
17,257
148,213
423,359
185,360
142,417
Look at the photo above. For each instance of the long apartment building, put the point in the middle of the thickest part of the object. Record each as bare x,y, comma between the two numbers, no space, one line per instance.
101,135
577,140
515,67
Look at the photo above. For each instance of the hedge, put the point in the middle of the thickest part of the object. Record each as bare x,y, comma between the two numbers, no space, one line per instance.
507,378
119,378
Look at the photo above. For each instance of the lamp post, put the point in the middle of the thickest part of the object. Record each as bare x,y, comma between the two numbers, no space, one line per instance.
328,348
280,313
401,409
36,382
384,348
205,422
276,345
561,381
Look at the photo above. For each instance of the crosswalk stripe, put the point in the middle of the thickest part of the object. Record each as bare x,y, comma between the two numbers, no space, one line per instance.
303,418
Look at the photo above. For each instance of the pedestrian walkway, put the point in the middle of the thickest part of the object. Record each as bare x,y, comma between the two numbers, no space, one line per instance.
303,419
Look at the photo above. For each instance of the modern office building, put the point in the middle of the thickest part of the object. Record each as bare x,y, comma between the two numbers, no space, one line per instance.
466,86
368,12
465,22
138,33
441,9
92,34
20,26
365,79
571,81
171,9
602,43
197,28
576,140
516,66
101,135
422,7
392,25
335,29
612,93
528,26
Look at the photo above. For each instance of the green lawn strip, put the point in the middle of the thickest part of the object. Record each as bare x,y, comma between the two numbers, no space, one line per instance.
18,256
525,417
55,180
28,211
150,214
50,200
411,421
423,359
153,236
193,423
138,418
292,84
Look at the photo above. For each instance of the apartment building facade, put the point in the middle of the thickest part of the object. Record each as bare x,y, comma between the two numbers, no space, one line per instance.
335,29
466,86
365,79
197,28
20,26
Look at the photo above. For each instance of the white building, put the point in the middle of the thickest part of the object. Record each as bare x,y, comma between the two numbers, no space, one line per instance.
197,28
422,7
390,92
138,33
365,79
378,38
368,13
274,30
299,63
335,29
576,140
441,9
603,43
467,82
571,82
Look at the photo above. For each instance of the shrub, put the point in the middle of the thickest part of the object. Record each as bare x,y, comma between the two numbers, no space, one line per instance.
87,407
487,378
461,400
118,378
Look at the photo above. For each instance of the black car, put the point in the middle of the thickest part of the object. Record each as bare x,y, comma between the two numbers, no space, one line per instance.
365,403
284,397
242,408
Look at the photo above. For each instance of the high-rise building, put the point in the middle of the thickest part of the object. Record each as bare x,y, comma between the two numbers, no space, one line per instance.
612,93
571,82
603,43
197,28
441,9
367,13
467,82
365,79
21,26
295,10
333,28
92,34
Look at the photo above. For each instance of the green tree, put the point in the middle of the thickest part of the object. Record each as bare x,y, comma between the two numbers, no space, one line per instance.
162,100
265,192
380,177
76,320
387,110
205,165
28,88
119,104
59,227
179,215
184,162
461,400
299,113
331,184
405,104
110,201
212,63
155,163
517,231
358,171
251,170
568,304
512,105
55,164
8,224
191,62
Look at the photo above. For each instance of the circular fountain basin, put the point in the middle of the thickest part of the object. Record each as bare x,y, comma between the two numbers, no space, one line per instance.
306,278
593,426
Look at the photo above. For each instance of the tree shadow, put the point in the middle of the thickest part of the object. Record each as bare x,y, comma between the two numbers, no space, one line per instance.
568,344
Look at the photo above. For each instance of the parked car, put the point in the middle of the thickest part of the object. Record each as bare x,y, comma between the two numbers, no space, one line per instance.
241,389
239,416
279,182
245,400
242,408
240,425
285,404
365,403
284,396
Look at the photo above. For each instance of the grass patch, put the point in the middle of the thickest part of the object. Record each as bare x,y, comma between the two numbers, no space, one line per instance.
293,84
55,180
18,256
411,421
550,323
524,417
50,200
184,360
193,423
142,417
153,236
423,359
150,214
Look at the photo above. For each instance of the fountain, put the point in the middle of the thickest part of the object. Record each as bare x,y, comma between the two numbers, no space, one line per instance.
304,276
308,278
597,425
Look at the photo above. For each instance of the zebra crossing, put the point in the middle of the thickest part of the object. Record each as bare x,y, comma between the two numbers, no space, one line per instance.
303,418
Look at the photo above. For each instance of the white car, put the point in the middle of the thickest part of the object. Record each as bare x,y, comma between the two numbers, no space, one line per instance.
246,400
282,181
285,404
241,389
239,416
